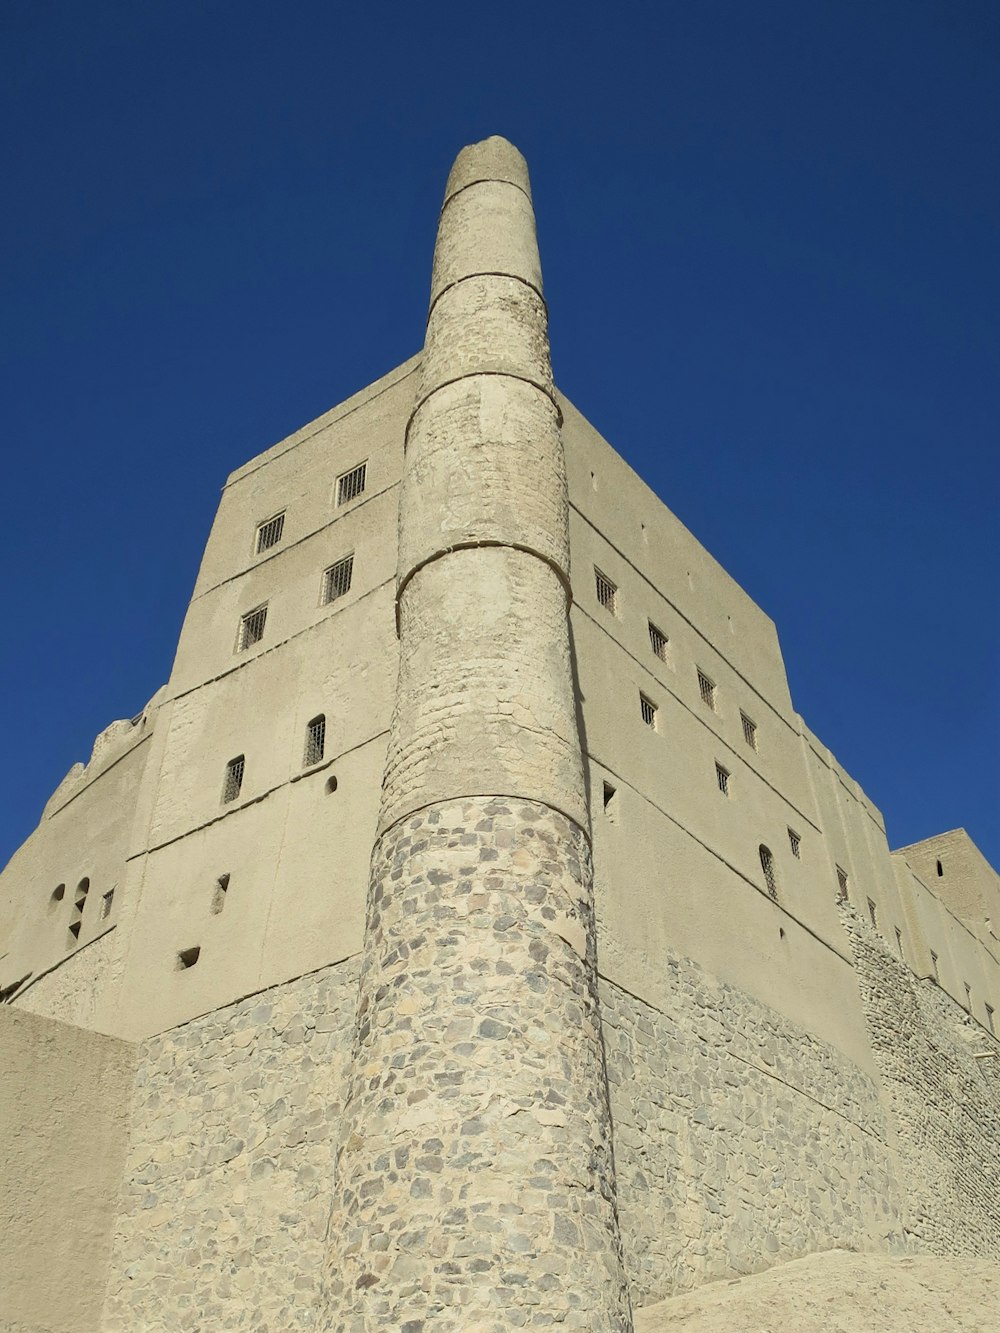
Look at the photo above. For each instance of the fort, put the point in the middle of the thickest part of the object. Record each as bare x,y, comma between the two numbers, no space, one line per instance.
470,935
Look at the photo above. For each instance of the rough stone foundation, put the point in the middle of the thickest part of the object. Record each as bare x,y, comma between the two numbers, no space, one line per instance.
475,1188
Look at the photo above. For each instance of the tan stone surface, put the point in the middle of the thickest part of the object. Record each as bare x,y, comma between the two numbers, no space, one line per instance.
838,1292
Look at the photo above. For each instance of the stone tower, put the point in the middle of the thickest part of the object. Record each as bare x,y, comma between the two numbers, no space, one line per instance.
475,1184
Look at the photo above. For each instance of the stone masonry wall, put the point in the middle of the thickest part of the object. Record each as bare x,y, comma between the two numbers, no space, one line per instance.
944,1102
740,1141
226,1196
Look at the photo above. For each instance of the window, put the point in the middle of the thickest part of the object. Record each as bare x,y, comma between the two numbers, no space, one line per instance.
234,779
106,900
607,592
219,894
934,966
251,628
337,579
658,642
351,484
706,688
269,533
79,903
315,740
940,870
841,885
873,913
749,731
795,842
58,893
611,803
899,942
648,710
767,866
188,957
989,1019
968,997
722,778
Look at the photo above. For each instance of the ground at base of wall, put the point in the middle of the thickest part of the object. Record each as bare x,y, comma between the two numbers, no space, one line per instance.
838,1292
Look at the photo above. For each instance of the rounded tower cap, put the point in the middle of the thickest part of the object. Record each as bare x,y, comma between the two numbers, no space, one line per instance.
493,159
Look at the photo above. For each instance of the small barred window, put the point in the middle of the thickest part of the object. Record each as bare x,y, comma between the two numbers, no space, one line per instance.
706,688
648,711
658,642
841,885
269,533
795,842
351,484
722,778
607,592
234,779
251,628
106,901
767,866
337,579
315,740
749,731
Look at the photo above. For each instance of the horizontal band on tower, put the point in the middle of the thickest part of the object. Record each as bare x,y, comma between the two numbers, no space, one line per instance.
489,273
478,544
484,180
475,374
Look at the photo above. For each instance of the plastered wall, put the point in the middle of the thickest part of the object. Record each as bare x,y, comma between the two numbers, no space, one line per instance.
64,1099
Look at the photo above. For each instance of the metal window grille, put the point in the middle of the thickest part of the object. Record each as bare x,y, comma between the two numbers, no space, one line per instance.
795,842
351,484
337,579
767,866
607,592
234,779
841,885
251,628
658,642
315,740
269,533
706,688
873,913
648,710
106,900
749,731
722,778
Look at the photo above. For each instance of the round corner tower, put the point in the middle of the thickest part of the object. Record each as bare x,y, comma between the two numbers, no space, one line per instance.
475,1183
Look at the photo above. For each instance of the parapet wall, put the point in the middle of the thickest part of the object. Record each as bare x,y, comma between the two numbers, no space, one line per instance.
741,1141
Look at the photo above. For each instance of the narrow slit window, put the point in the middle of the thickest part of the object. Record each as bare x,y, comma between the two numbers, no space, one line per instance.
934,967
989,1019
315,741
767,866
647,710
940,870
234,779
722,778
188,957
607,592
270,532
749,731
58,893
968,997
899,942
337,579
841,885
795,842
611,803
351,484
658,642
251,628
706,688
873,913
107,899
219,894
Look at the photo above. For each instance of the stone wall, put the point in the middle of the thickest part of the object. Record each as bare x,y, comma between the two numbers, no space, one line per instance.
226,1193
740,1141
945,1103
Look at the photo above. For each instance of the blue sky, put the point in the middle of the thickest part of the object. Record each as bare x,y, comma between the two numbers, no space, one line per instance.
769,239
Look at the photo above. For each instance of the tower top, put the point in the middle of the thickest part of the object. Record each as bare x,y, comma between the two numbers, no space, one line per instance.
492,159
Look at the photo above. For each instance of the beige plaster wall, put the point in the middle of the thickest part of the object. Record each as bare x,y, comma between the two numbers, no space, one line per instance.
64,1100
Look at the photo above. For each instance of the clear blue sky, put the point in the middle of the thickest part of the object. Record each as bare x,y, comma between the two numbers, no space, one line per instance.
769,237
